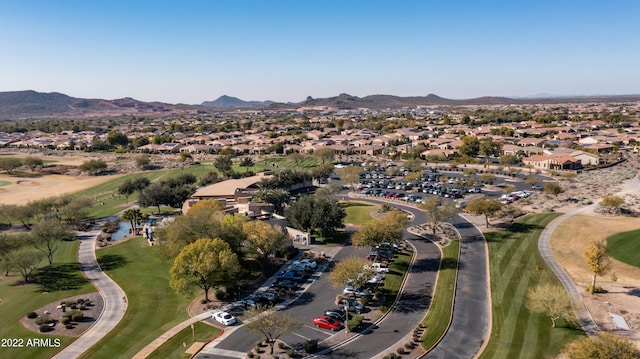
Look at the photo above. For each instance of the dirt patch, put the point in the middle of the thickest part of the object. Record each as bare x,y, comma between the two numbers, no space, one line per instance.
22,190
91,314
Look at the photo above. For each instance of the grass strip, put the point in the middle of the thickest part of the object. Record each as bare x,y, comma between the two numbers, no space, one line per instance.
516,267
176,346
18,299
152,308
393,279
438,317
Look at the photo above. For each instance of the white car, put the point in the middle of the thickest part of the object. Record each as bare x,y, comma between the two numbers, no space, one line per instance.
376,267
224,318
350,290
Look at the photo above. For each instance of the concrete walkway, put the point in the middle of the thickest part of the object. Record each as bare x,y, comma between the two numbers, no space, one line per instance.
115,300
584,317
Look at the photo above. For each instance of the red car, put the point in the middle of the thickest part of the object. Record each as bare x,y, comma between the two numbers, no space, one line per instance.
327,323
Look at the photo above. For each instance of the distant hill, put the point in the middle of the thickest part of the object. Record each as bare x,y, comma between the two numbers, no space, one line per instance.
234,102
346,101
26,104
32,104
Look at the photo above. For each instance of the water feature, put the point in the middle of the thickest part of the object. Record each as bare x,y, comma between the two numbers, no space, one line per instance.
122,231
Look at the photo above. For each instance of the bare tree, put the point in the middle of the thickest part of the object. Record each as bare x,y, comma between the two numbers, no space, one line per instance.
270,325
551,300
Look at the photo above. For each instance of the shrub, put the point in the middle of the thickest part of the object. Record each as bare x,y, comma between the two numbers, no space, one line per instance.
365,300
32,315
311,346
44,328
89,304
281,345
258,343
73,306
77,316
598,289
290,352
69,326
408,346
203,301
39,321
400,350
355,322
250,355
65,320
80,301
82,307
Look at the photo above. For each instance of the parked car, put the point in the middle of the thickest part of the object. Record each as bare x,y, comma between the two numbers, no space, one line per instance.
285,284
326,322
351,305
536,187
291,275
224,318
350,290
337,314
376,279
377,267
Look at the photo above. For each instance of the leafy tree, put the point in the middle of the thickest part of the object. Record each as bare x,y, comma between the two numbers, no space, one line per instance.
246,163
350,174
270,325
275,196
263,239
209,178
349,271
93,166
612,202
185,157
155,195
470,146
26,261
324,154
75,210
160,139
47,236
322,171
9,243
10,164
602,346
117,139
301,213
127,188
508,160
551,300
143,161
328,214
437,213
232,230
387,229
206,263
489,148
552,188
488,207
223,164
487,178
32,162
597,257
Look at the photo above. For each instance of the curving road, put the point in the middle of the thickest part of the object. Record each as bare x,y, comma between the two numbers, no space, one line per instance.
115,303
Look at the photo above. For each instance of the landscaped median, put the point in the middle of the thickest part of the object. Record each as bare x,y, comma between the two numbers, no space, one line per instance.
440,312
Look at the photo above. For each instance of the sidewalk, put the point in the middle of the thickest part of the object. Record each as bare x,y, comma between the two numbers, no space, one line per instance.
115,299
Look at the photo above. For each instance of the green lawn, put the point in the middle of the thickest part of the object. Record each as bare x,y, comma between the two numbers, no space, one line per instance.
441,308
175,347
16,300
4,183
625,247
359,213
515,267
153,307
393,279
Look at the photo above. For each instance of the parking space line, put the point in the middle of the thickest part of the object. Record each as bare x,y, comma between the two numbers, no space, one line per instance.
317,329
300,335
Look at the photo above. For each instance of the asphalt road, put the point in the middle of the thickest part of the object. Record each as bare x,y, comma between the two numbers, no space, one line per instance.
470,325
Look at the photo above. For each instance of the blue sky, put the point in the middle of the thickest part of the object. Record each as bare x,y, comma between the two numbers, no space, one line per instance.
194,51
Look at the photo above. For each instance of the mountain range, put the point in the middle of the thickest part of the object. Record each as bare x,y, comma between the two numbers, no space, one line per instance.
32,104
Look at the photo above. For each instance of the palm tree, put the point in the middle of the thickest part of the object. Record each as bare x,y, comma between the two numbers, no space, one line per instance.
134,216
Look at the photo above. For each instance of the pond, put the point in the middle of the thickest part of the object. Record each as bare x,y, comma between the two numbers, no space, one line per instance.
122,231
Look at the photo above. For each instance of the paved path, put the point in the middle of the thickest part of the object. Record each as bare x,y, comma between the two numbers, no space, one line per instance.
115,303
584,317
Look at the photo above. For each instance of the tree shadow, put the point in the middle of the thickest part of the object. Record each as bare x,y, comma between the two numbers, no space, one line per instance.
426,265
304,299
412,303
112,261
635,292
56,277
